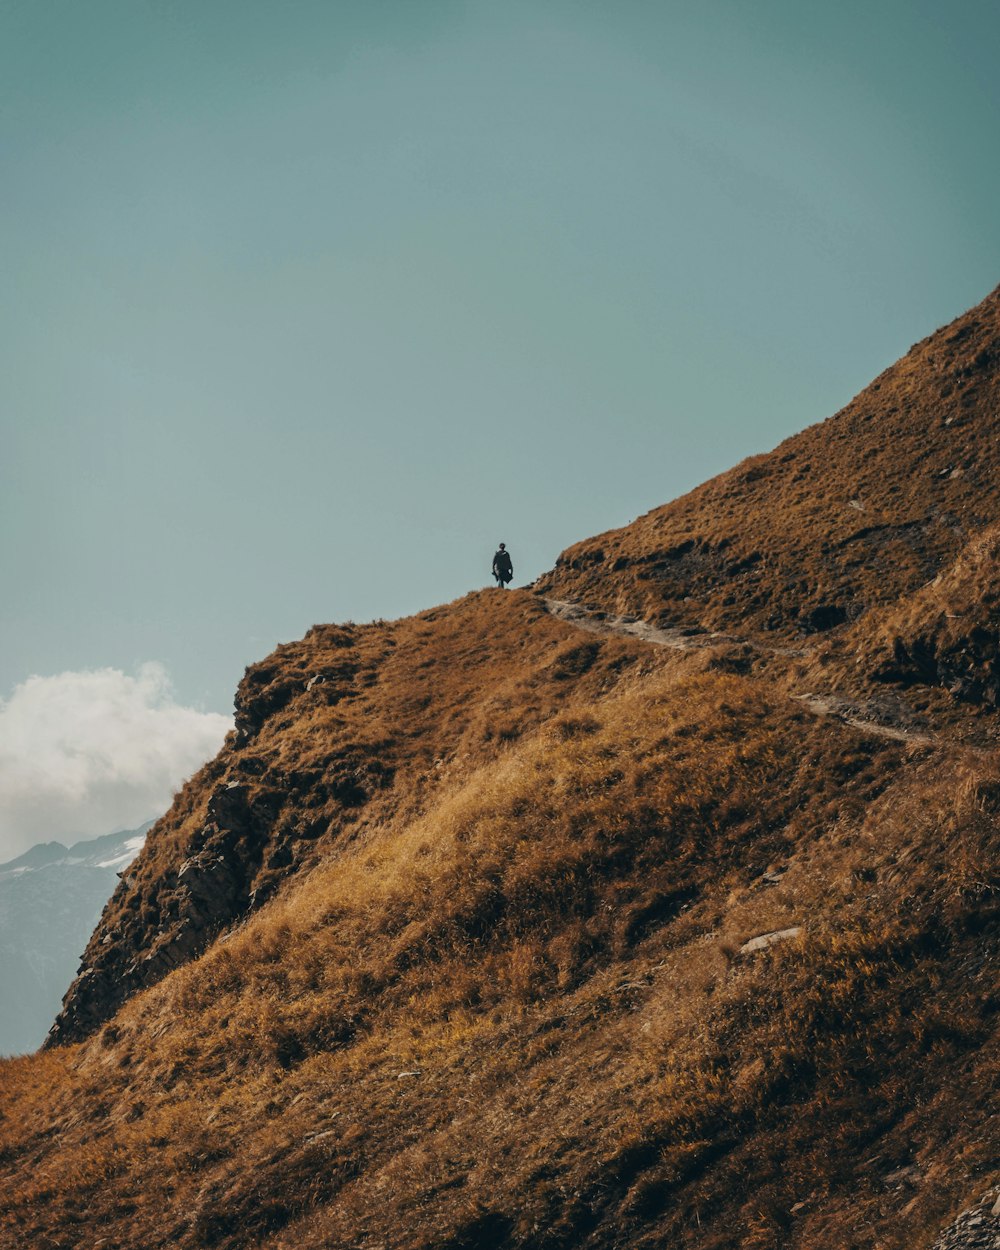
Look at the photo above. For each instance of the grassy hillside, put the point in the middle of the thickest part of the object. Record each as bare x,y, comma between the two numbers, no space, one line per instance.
334,735
486,931
849,514
948,633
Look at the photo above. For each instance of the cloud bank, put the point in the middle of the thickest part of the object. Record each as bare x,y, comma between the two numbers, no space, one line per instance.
87,753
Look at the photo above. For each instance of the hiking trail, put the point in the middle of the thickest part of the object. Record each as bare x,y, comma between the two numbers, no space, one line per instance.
856,713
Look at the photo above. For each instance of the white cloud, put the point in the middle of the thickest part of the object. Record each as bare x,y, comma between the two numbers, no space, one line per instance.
86,753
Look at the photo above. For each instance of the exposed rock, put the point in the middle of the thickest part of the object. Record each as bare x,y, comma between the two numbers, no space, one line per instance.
269,687
210,889
903,1176
764,940
946,634
224,855
977,1228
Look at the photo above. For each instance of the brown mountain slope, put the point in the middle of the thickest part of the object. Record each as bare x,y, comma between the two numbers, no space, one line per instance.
948,633
334,735
517,1013
487,931
850,513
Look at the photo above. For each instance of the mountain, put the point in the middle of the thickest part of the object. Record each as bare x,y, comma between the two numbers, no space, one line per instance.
51,898
851,513
654,906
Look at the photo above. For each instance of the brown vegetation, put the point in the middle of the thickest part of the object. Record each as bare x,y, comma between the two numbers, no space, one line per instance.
444,950
334,735
849,514
948,633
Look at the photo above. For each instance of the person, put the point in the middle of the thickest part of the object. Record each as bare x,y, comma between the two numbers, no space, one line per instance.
503,570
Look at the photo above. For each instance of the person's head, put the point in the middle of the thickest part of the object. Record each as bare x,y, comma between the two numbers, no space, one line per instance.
503,546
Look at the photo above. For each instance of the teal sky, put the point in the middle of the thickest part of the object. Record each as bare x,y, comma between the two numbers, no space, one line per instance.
307,305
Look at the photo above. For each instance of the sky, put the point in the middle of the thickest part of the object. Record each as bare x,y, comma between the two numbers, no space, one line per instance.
309,305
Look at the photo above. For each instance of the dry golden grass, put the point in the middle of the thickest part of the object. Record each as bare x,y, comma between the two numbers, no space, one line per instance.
400,711
851,513
946,634
478,978
515,1013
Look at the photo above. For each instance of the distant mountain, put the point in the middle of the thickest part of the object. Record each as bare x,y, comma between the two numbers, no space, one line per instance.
51,898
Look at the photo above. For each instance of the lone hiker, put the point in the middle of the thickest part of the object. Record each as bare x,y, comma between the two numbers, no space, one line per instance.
503,570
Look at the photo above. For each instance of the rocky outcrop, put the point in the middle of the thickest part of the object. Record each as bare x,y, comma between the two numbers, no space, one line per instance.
218,859
968,668
211,889
765,940
977,1228
267,688
948,634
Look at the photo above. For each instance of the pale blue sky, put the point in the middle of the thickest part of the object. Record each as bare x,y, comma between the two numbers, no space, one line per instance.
309,304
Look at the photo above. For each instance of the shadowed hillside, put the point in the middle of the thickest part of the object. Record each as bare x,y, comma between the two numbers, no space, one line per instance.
655,907
948,633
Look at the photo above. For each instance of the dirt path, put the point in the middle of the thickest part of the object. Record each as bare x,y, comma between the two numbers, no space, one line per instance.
686,639
605,623
856,713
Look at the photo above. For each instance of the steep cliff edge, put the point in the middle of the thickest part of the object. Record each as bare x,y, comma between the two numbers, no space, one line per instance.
334,735
499,928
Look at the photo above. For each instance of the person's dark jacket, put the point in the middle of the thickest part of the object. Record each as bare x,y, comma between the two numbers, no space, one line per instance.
503,569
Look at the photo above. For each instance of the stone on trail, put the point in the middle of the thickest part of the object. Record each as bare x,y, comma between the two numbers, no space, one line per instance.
764,940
